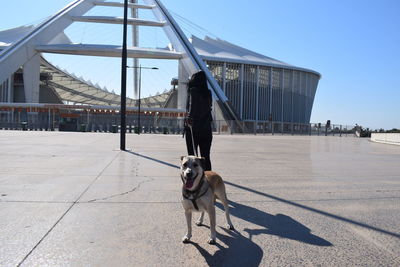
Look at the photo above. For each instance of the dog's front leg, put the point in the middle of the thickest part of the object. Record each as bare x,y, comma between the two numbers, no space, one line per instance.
211,214
188,215
199,221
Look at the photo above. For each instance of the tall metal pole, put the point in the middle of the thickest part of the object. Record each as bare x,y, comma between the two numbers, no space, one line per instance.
123,78
140,89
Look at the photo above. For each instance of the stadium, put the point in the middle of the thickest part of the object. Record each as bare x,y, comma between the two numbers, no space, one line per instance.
260,88
249,89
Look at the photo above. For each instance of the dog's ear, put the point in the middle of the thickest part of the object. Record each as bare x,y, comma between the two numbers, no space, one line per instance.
202,162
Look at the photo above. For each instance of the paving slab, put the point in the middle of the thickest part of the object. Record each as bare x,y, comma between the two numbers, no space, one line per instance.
74,199
23,225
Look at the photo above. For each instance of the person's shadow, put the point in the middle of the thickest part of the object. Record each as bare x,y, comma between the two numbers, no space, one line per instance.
280,225
241,250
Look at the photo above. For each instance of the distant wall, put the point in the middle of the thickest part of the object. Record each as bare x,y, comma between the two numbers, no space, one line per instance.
48,95
386,138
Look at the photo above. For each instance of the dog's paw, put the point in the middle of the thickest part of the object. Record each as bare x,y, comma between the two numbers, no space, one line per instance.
211,241
186,239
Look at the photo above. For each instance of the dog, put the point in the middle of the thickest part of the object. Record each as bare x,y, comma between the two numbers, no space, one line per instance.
199,193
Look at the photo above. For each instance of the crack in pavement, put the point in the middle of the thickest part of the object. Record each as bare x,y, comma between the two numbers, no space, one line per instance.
67,211
124,193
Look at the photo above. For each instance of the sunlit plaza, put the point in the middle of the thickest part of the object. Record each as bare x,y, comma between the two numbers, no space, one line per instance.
76,199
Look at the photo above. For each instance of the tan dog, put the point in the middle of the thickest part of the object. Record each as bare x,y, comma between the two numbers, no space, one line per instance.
199,192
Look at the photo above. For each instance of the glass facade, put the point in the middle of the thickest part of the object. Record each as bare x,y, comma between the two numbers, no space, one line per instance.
249,92
296,97
303,95
232,87
262,93
287,95
4,91
276,114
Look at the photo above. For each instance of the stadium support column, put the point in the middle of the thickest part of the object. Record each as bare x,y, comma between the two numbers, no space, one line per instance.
241,90
270,94
10,93
257,94
183,78
31,71
135,43
224,78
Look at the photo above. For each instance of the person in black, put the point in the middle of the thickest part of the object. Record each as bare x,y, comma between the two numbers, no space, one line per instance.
199,117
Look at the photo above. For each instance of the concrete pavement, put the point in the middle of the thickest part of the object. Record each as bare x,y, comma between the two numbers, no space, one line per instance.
74,199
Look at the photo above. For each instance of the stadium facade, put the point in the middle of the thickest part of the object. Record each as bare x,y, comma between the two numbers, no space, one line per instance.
259,88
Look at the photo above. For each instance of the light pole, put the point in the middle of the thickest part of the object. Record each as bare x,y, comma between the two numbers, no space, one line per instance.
123,77
140,88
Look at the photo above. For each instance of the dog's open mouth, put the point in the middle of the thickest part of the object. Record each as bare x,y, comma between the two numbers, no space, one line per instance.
189,183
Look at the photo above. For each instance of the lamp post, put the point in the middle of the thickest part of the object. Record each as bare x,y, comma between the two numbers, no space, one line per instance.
140,87
123,77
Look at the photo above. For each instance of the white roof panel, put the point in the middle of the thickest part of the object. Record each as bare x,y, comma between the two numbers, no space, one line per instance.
220,50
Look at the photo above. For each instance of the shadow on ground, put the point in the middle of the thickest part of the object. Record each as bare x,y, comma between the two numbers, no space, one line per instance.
292,203
279,225
240,251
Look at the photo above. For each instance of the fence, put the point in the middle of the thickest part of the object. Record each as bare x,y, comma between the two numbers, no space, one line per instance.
284,128
88,118
36,117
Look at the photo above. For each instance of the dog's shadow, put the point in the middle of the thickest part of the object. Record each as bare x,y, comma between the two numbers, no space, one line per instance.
239,251
280,225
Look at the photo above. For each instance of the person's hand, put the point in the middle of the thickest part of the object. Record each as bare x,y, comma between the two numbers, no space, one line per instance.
189,121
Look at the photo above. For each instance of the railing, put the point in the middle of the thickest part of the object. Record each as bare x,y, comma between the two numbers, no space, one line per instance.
87,118
49,117
284,128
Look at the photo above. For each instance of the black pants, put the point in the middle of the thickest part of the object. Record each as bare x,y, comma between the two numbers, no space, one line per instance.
202,139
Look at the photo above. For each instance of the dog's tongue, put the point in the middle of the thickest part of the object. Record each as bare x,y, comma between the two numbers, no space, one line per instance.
189,183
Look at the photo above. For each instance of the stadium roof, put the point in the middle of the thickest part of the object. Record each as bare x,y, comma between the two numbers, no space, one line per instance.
75,89
220,50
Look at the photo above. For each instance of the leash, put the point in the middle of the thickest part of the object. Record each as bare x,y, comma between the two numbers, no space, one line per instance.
191,134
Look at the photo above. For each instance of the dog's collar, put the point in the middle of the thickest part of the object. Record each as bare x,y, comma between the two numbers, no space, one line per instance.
193,195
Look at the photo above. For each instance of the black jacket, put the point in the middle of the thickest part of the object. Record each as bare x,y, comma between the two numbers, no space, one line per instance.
199,100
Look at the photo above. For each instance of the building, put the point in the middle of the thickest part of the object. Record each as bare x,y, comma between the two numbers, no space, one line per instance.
246,86
258,87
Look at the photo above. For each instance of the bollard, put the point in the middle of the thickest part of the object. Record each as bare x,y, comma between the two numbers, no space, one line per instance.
83,127
114,128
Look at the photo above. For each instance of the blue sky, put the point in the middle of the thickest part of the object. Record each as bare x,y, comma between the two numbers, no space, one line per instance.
353,44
